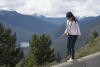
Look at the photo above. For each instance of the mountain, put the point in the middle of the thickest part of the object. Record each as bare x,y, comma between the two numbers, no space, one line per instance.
25,25
28,22
56,21
53,20
22,34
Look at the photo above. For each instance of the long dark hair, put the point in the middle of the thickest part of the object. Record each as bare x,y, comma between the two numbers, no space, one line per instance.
70,15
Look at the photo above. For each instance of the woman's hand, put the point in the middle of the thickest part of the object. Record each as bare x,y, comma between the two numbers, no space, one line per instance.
63,35
79,37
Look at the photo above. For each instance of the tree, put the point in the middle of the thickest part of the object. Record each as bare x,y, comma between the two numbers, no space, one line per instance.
9,54
95,34
40,51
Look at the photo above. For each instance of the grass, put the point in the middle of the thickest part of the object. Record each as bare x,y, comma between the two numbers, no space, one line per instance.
93,46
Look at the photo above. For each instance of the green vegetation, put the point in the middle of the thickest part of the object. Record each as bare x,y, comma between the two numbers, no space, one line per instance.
40,54
9,54
40,51
92,46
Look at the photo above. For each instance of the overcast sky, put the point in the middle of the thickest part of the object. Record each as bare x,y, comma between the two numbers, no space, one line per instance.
53,8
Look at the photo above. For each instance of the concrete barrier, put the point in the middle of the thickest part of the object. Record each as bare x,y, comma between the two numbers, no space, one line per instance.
87,61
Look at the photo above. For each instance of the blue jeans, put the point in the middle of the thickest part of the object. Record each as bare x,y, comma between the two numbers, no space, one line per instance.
71,44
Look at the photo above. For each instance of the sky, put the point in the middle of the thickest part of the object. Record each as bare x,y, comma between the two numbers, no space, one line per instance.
53,8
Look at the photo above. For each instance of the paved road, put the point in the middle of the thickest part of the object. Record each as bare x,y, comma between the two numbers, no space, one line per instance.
88,61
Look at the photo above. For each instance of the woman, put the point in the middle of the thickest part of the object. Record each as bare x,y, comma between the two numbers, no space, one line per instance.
73,32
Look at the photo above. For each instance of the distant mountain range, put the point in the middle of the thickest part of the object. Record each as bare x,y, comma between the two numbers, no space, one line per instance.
26,25
53,20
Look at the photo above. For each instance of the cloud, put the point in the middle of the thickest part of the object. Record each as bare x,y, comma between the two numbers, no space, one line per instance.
45,7
11,4
53,8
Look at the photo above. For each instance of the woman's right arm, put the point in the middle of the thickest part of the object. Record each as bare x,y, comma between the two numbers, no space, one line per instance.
65,29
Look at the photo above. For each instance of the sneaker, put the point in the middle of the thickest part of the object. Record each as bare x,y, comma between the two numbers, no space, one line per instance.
70,60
